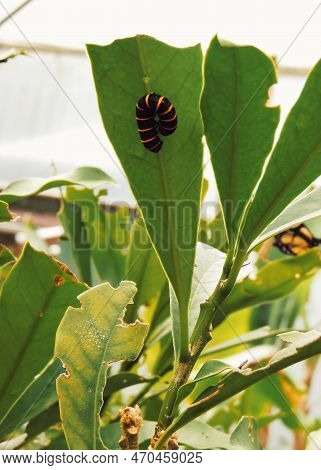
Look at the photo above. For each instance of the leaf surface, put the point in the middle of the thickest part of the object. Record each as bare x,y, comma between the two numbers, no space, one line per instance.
239,127
33,300
87,176
5,214
301,210
40,395
294,163
88,340
275,280
124,71
245,435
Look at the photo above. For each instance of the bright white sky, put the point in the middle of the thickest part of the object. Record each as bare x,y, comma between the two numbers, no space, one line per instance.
270,25
286,29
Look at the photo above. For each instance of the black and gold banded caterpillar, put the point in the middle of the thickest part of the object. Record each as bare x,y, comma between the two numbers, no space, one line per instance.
155,114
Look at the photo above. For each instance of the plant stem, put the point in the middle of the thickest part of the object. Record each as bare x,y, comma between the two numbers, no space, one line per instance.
200,337
201,334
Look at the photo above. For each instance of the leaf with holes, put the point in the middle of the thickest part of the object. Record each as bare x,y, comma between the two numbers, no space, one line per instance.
88,340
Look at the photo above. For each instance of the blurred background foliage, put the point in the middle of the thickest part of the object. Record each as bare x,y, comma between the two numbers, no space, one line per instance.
111,244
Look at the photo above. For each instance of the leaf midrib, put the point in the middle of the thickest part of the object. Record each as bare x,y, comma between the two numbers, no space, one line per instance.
235,130
167,193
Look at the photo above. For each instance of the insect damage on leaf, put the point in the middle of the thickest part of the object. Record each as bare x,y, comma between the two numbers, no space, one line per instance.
59,280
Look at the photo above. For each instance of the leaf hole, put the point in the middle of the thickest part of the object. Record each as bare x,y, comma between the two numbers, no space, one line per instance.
273,97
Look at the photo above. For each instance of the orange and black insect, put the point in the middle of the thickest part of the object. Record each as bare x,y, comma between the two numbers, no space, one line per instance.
296,240
155,114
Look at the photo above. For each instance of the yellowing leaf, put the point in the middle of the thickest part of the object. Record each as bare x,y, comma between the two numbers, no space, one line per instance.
88,340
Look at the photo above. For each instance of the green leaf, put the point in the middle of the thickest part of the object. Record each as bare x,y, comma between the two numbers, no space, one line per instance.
199,435
143,267
275,280
103,234
294,163
123,380
302,346
57,441
207,272
209,375
283,312
124,71
43,422
5,214
40,395
6,256
87,176
33,300
245,435
74,230
239,127
247,338
271,391
208,268
88,340
302,209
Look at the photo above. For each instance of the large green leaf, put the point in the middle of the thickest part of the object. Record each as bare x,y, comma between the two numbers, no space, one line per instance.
295,160
239,127
33,300
88,340
302,209
143,267
87,176
275,280
5,214
124,71
301,346
40,395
